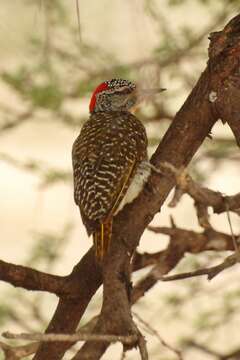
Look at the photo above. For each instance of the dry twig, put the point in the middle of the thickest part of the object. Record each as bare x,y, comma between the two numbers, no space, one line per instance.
210,272
154,332
202,195
79,23
127,340
18,352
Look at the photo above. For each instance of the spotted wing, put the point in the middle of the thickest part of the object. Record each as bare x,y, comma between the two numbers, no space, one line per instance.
105,158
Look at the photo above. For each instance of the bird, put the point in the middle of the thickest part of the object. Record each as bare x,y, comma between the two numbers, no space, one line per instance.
110,160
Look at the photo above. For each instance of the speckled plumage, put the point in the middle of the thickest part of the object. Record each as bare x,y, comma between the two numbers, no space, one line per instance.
108,161
109,148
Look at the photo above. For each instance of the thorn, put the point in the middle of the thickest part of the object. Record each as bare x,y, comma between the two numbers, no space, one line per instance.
172,222
210,136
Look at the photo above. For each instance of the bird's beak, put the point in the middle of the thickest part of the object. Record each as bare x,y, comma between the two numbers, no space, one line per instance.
147,94
141,95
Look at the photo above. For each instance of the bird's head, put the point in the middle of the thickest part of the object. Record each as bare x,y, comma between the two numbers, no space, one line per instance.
113,95
117,95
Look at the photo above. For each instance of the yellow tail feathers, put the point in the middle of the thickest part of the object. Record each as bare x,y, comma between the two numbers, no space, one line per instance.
102,238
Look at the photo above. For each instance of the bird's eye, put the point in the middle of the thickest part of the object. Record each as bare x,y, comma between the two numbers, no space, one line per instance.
123,91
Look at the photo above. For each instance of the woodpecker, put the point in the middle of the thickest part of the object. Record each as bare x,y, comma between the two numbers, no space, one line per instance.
110,161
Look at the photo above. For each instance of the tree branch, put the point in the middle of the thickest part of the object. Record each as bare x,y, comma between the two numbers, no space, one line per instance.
186,133
210,272
201,195
18,352
229,356
30,279
71,337
181,241
154,332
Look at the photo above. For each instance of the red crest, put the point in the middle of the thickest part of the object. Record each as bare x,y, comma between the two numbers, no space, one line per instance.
99,88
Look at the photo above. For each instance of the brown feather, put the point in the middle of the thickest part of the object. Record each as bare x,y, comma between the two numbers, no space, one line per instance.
102,239
106,156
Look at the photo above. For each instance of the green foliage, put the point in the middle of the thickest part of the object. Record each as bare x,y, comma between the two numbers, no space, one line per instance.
5,312
46,96
47,247
174,299
17,80
52,176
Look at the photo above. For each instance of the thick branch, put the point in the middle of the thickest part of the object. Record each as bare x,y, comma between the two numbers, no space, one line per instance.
188,130
84,281
30,279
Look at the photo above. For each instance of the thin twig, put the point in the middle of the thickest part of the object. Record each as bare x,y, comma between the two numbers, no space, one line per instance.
235,244
123,355
128,340
210,272
178,193
190,343
202,215
79,23
154,332
142,347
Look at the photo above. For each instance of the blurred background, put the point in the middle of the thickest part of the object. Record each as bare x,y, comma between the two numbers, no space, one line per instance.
48,68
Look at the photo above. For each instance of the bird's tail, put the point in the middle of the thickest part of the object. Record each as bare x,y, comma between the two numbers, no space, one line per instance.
101,239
